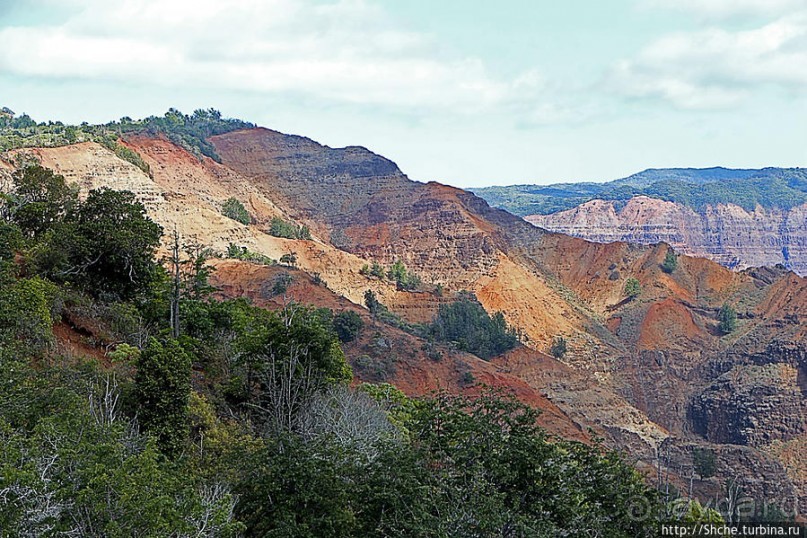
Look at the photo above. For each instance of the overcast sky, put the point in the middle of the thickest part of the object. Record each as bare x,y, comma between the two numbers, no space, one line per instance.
463,92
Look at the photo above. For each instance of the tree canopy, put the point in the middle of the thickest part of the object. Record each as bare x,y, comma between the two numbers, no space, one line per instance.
466,323
106,245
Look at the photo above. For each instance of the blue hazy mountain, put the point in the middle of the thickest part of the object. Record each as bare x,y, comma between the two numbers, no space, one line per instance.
693,187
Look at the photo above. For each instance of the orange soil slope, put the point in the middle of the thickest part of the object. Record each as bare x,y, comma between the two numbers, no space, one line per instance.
412,370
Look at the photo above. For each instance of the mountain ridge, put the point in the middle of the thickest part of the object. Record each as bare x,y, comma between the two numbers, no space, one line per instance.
667,184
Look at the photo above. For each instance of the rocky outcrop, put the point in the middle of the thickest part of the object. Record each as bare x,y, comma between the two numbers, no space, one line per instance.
760,399
725,233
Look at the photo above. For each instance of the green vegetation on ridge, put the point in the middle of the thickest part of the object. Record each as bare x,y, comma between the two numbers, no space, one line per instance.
187,131
696,188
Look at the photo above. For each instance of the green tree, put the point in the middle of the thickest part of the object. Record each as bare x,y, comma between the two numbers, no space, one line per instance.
727,319
558,348
281,283
377,270
11,241
670,263
162,389
41,199
235,210
696,513
197,272
404,279
466,323
287,358
347,325
289,258
288,230
397,271
632,288
26,308
704,461
107,247
298,490
371,301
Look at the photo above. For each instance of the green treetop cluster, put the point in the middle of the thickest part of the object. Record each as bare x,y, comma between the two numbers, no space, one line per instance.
188,131
397,272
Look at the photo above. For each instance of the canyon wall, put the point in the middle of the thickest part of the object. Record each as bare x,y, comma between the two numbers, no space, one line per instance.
725,233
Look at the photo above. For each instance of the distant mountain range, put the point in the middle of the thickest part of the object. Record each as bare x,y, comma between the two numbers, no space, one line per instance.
696,188
738,218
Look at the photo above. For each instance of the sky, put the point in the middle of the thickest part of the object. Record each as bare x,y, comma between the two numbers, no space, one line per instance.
464,92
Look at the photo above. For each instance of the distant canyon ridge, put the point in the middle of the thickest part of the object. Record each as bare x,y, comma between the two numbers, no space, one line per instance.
738,218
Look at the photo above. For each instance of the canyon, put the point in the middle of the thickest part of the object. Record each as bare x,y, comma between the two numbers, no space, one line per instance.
652,376
726,233
738,218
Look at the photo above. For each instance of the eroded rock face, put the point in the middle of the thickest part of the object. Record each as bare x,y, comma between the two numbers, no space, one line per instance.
738,468
727,234
756,402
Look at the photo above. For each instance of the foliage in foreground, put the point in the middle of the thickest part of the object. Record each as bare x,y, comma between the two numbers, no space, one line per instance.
74,460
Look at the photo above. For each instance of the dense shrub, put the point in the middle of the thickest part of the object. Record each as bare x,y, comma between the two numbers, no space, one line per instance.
26,313
162,388
670,262
727,319
233,209
403,278
347,325
106,246
41,200
558,348
466,323
242,253
288,230
632,288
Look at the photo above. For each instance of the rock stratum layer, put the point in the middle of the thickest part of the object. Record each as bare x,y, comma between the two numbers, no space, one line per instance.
728,234
652,376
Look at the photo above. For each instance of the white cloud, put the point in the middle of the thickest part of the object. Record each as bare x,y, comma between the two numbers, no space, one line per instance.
724,9
347,51
717,68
